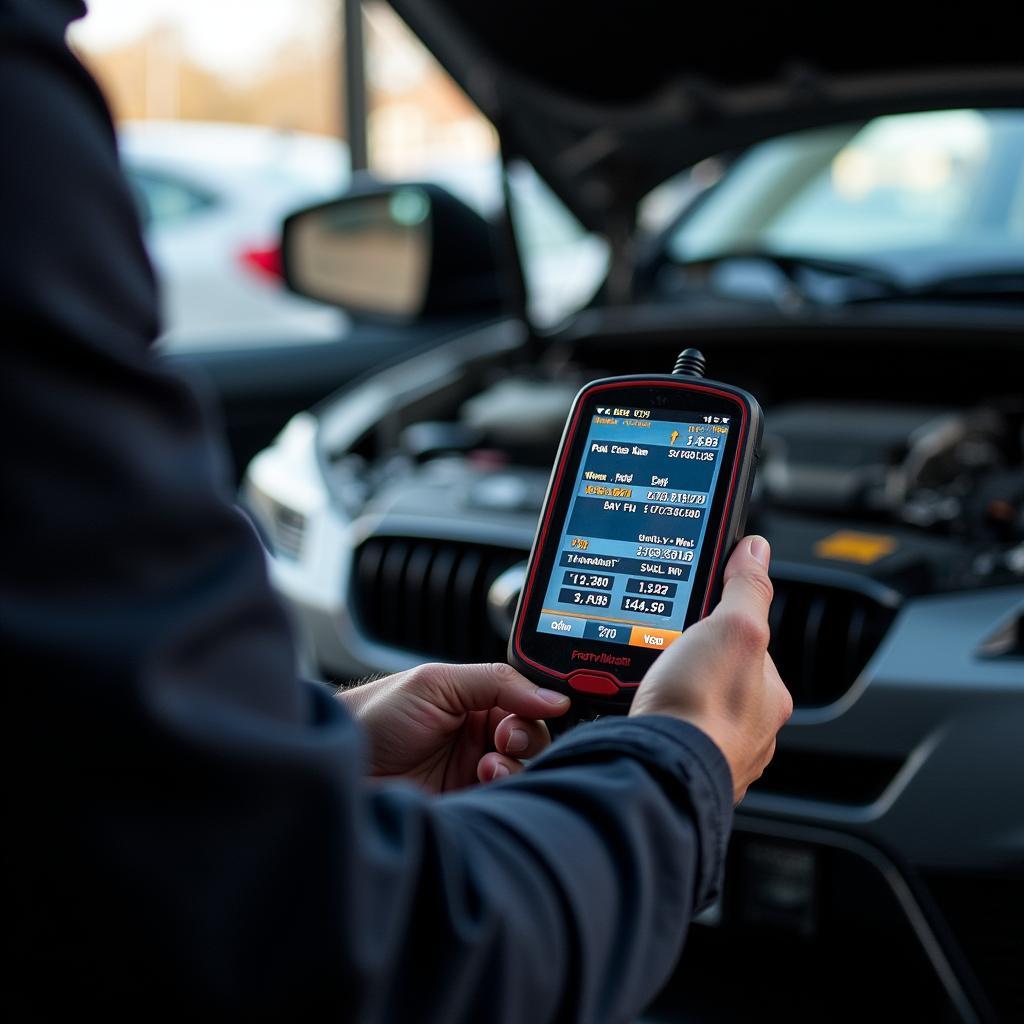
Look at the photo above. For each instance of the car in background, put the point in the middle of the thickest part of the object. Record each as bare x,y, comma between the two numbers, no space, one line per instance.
212,197
852,252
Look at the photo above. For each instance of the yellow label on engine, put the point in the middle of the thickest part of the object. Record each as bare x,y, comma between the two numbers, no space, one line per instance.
853,546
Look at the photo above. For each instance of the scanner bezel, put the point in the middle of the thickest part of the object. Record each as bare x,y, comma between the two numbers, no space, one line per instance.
597,667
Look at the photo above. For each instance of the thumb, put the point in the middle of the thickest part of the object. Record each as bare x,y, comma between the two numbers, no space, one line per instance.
748,590
496,685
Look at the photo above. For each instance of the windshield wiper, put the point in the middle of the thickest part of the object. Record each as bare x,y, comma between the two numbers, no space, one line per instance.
998,285
811,280
823,281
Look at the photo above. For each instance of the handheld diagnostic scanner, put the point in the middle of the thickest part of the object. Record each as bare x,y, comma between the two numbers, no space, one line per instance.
648,496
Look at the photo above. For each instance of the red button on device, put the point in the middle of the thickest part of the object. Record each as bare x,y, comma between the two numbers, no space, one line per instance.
590,682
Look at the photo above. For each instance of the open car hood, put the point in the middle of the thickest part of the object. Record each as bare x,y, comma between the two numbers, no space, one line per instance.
608,99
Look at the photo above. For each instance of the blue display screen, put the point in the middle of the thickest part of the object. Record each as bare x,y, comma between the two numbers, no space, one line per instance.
635,527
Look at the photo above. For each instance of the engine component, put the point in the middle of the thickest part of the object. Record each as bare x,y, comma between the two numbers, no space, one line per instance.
913,465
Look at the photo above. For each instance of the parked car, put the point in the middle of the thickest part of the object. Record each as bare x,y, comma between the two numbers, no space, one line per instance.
212,197
857,262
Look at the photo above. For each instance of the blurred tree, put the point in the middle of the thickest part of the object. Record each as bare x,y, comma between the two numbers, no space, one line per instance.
418,117
299,88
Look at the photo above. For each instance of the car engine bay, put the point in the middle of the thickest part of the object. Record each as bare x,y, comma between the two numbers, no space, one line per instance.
887,499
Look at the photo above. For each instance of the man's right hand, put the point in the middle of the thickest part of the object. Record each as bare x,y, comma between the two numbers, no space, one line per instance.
719,675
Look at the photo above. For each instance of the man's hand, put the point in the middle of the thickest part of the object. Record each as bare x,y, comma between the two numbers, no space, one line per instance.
448,726
719,676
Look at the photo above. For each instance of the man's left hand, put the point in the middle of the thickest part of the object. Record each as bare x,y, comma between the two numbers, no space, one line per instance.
448,726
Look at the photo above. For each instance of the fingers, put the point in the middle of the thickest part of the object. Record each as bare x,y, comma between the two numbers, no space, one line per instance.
493,766
482,687
521,737
515,737
747,594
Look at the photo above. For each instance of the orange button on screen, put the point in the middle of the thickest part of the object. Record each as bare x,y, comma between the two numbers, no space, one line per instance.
656,639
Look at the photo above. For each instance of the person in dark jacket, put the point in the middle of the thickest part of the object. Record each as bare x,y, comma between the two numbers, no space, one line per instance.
190,827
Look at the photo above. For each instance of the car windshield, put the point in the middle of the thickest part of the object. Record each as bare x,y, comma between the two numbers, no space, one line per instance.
923,196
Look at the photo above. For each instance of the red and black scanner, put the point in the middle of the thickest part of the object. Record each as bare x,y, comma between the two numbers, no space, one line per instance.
647,498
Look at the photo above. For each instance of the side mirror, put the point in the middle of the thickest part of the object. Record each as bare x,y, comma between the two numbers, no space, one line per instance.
399,252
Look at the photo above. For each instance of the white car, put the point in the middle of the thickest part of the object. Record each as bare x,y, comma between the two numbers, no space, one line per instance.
212,198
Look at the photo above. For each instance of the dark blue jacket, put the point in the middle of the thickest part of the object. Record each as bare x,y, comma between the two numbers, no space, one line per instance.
187,825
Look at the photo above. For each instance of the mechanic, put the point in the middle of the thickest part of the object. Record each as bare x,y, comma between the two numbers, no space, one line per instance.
190,826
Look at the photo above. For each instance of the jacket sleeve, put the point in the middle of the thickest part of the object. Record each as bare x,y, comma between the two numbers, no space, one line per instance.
189,826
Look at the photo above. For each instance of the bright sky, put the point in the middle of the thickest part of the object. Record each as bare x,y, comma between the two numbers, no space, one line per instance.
229,36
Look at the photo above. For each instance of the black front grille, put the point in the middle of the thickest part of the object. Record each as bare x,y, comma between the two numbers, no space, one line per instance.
822,637
430,596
